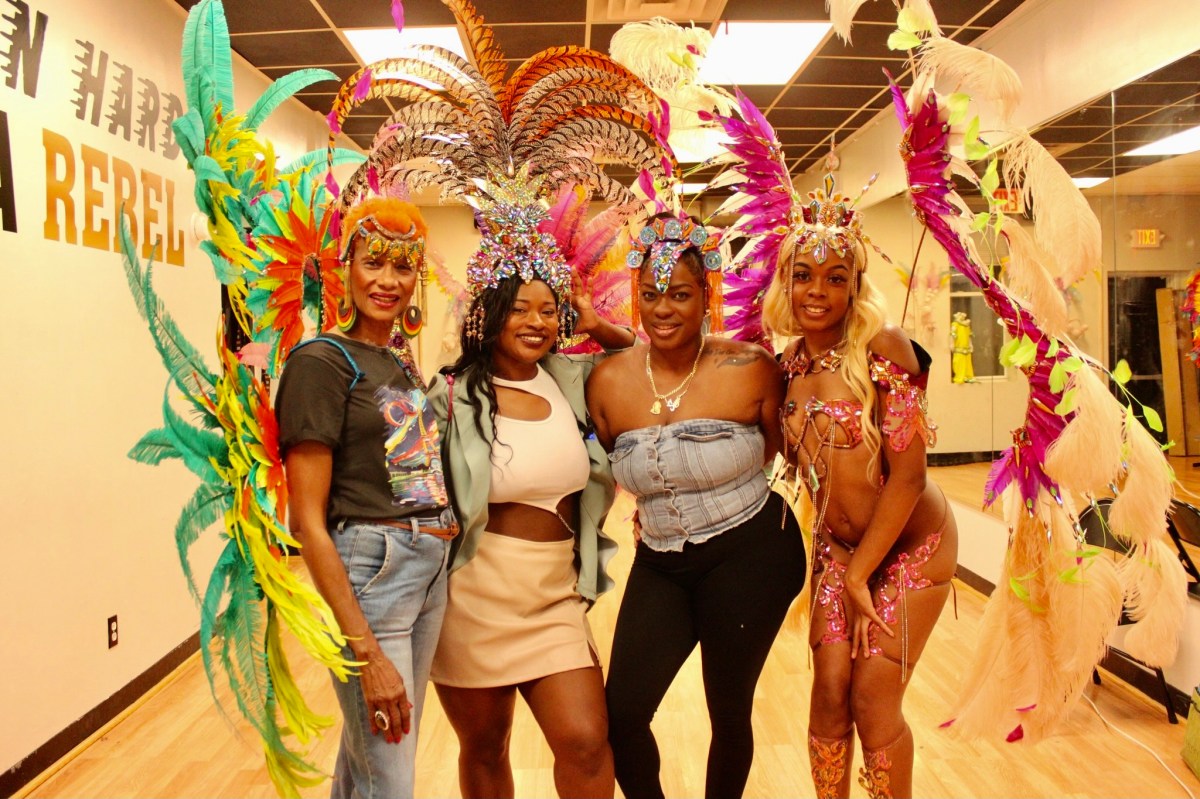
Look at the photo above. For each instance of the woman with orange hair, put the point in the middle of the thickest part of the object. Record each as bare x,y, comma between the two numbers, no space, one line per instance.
364,470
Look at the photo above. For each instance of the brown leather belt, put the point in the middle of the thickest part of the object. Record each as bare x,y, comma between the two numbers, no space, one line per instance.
434,526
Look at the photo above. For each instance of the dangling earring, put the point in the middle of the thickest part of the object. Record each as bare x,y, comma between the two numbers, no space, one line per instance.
706,324
473,325
411,322
347,313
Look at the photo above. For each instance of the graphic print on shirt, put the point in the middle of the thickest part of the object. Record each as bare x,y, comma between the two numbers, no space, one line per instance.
411,449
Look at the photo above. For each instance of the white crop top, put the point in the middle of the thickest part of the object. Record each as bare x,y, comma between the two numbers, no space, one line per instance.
538,463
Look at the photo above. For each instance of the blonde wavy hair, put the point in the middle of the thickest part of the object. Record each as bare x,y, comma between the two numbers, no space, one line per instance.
864,319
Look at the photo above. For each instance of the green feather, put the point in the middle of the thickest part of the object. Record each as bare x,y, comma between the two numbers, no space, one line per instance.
198,448
317,158
207,168
189,134
282,89
206,59
154,448
182,360
206,507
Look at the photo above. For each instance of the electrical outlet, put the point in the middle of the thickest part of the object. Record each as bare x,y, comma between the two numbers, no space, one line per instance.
112,631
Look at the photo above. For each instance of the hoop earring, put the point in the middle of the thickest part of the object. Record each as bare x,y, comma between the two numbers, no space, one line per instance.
411,322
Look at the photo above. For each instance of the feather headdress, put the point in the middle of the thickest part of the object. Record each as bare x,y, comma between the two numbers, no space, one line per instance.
775,218
563,113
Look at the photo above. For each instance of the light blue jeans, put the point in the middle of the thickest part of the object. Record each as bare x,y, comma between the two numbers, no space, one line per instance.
400,582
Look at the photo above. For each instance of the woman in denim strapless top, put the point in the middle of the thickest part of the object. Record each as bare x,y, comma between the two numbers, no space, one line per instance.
690,421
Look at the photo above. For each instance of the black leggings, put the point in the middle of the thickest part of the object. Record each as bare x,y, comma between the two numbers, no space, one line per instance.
729,594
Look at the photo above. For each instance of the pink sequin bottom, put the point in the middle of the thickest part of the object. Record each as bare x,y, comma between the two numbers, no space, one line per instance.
899,573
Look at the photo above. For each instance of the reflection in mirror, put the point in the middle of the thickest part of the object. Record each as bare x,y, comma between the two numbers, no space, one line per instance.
1136,154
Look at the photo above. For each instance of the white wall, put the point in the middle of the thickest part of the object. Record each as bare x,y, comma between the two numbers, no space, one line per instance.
89,533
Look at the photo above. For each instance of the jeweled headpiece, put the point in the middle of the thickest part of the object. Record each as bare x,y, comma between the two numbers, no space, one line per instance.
388,226
827,222
665,240
514,244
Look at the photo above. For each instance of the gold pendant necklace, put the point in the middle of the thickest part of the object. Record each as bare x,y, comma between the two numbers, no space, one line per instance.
672,398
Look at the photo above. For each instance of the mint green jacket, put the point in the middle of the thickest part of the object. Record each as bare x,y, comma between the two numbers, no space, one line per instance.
471,472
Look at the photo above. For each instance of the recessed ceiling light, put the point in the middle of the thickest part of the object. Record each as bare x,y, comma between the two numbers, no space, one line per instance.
376,44
760,53
1185,141
1087,183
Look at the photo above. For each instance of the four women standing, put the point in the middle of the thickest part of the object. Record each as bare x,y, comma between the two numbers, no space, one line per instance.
690,421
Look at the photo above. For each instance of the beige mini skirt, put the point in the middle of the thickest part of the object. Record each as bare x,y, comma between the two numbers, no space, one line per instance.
513,615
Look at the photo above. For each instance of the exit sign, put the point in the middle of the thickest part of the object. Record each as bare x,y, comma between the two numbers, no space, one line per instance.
1146,238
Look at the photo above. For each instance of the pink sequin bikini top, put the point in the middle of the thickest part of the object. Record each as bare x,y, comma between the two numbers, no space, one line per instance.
904,412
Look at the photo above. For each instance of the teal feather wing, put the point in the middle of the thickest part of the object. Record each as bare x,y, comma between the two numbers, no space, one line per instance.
282,89
318,158
205,508
182,360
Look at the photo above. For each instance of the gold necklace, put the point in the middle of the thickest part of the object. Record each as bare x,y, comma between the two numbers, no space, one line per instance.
670,399
802,364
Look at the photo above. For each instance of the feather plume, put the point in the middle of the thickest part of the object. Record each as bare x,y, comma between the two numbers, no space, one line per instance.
398,14
661,53
841,14
489,58
976,72
1139,513
1156,593
1027,275
281,90
1066,227
1087,457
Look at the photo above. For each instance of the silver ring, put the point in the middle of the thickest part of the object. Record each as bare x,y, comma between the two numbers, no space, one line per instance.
381,720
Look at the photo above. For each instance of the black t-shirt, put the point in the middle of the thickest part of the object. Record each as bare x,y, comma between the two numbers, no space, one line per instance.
356,399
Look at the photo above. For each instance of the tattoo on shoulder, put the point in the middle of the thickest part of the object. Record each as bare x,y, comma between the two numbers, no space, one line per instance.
733,356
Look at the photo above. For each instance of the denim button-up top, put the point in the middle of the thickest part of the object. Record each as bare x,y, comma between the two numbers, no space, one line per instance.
693,479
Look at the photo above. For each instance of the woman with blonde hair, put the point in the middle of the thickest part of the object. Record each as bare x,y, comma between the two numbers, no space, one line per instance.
884,539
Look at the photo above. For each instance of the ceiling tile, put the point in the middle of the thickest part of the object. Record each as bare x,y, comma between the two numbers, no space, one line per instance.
761,95
602,36
809,117
500,11
850,71
772,10
994,13
808,136
377,14
294,49
1159,94
1061,134
809,96
268,15
356,125
522,41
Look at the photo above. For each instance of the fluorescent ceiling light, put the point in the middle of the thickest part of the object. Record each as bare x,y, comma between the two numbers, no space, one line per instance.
690,188
1185,141
1087,183
376,44
760,53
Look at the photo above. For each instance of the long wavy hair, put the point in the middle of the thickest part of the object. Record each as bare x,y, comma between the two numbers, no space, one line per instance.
477,360
864,319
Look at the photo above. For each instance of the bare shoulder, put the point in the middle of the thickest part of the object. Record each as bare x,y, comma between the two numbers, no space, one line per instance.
608,371
726,352
894,344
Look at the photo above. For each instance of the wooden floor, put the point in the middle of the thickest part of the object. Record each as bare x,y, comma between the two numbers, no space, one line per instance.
177,744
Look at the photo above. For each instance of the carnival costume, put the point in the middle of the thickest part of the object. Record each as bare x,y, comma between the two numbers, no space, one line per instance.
887,409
